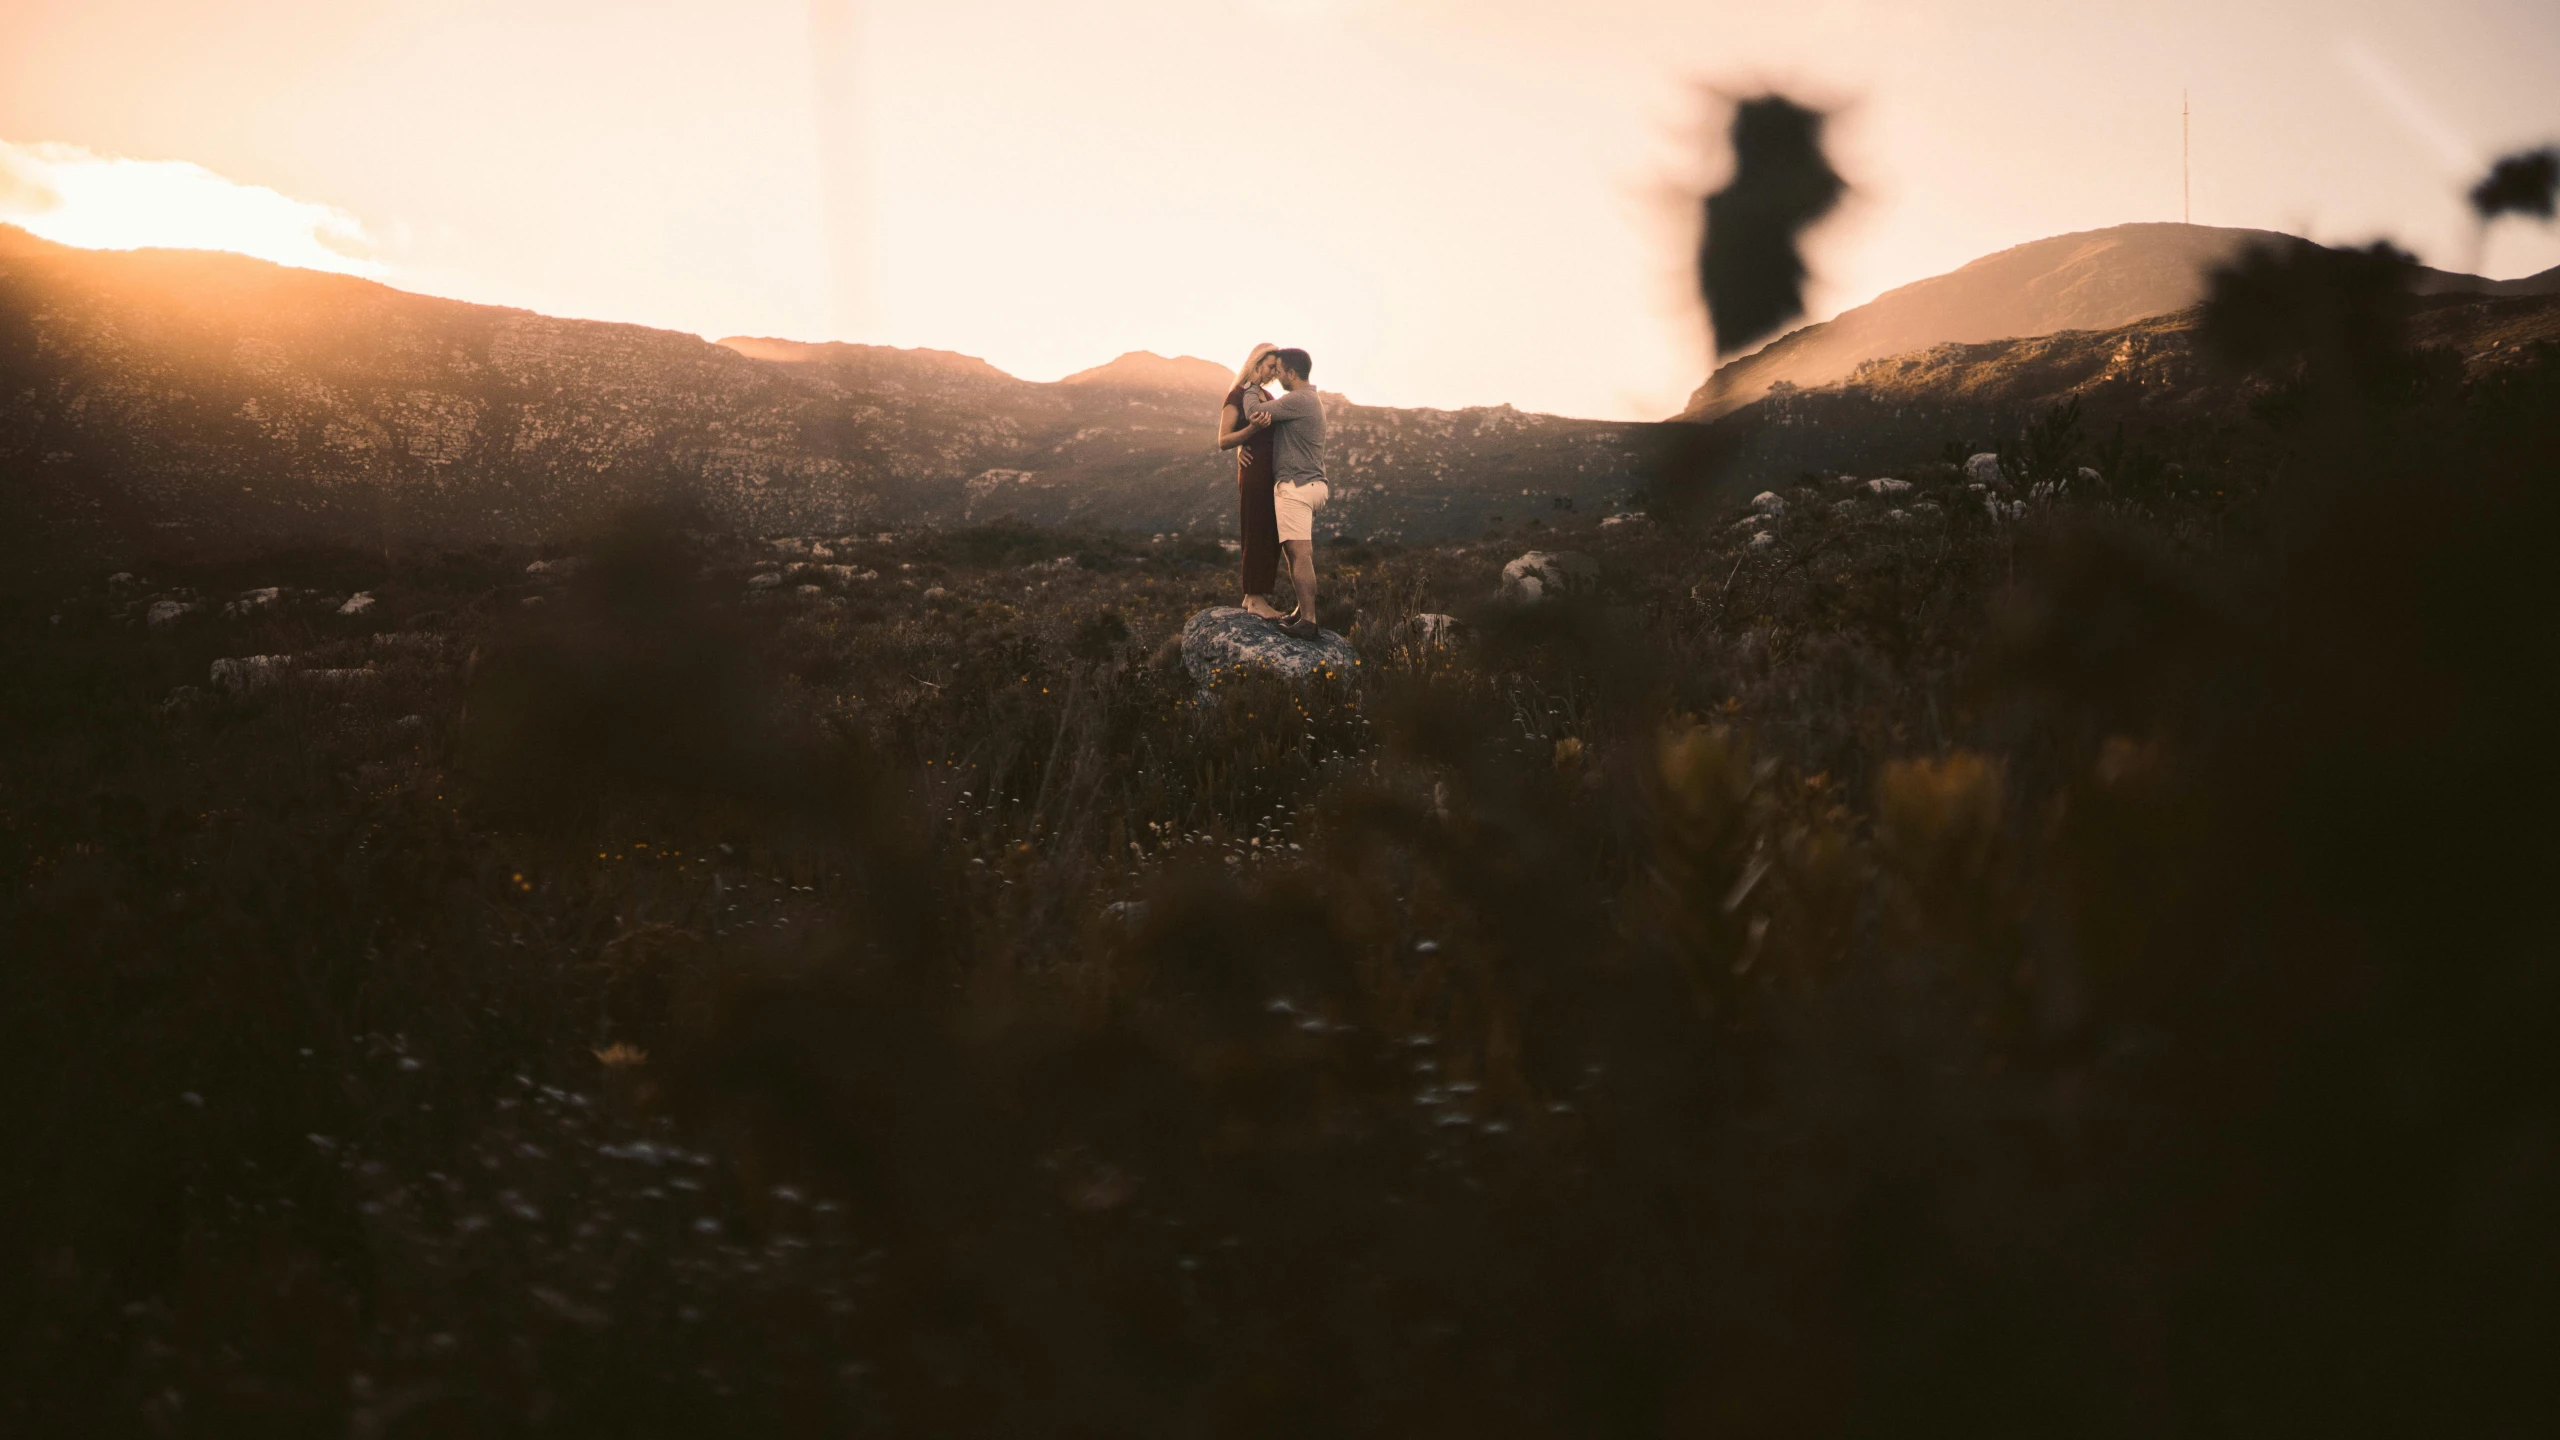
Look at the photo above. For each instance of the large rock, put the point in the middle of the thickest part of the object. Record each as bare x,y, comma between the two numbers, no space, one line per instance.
1547,574
1225,640
249,674
1984,469
1427,631
253,601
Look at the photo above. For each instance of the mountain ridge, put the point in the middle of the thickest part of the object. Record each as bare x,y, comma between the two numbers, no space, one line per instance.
2085,280
185,399
1147,370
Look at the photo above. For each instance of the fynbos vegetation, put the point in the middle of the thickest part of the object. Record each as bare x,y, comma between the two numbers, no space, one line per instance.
2043,943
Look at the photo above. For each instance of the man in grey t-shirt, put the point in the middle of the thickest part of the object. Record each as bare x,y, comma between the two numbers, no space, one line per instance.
1298,489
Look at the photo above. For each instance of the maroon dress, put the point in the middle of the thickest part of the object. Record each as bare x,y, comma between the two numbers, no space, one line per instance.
1259,527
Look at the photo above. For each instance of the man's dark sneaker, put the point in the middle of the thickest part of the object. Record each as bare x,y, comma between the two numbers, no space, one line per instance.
1300,629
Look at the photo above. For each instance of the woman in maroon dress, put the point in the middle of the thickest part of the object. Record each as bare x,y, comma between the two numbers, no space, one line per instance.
1250,437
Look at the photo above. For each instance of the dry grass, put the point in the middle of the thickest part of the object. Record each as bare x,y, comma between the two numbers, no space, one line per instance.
2061,973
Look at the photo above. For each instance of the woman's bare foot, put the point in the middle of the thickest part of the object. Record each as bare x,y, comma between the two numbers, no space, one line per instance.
1256,605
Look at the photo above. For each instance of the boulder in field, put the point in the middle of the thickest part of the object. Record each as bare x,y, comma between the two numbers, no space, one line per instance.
1548,574
1768,502
1225,640
164,613
1427,632
357,604
248,674
1984,469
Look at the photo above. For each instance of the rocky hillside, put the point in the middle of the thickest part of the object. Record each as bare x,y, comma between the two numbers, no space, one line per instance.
2147,375
171,400
2094,280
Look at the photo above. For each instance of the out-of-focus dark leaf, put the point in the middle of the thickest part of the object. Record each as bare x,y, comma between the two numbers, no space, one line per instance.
2274,307
1748,268
2525,183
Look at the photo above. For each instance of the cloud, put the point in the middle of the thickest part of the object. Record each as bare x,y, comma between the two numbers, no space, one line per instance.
71,196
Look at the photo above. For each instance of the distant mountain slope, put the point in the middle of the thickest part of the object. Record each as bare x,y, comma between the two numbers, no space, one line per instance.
1890,413
2094,280
1146,370
179,399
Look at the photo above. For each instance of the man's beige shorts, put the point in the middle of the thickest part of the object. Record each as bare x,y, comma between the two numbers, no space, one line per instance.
1296,506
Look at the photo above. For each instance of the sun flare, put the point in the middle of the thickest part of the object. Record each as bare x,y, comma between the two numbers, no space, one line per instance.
101,202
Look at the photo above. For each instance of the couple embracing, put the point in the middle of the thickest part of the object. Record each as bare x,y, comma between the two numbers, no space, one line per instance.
1280,486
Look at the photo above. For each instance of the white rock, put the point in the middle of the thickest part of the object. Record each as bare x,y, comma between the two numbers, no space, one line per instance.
1897,516
248,674
841,574
1749,522
166,612
1543,573
1764,541
2088,476
1768,502
1225,640
357,603
769,580
1429,631
260,599
1984,469
1888,486
935,593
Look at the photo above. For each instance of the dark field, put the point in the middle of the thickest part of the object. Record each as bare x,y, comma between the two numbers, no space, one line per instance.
2088,971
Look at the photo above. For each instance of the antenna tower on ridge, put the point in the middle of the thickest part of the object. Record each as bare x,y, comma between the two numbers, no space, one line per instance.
2186,183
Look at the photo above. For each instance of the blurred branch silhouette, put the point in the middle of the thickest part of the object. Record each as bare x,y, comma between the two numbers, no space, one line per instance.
2525,183
1748,267
1750,274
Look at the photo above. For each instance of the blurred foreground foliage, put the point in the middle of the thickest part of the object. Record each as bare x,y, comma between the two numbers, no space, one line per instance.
2077,968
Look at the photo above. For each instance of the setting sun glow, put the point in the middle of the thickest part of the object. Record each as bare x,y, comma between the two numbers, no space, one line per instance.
73,197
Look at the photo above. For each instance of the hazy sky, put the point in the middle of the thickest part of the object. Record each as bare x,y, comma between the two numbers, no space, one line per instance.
1448,201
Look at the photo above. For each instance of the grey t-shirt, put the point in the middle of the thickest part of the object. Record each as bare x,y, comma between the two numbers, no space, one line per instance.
1297,435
